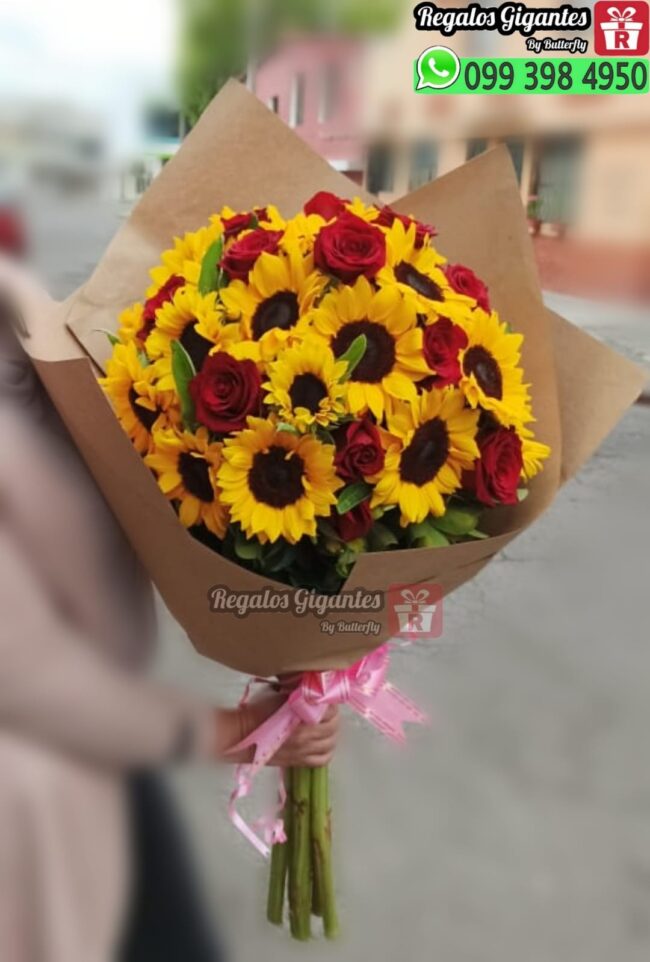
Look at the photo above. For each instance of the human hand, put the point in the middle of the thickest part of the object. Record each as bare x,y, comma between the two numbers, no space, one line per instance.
309,746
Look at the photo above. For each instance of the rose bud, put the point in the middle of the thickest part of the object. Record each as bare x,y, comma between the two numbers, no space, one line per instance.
442,342
233,226
240,257
359,452
350,248
225,392
326,205
465,281
498,470
353,524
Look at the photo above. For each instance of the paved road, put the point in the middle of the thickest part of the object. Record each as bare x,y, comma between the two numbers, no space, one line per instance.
518,826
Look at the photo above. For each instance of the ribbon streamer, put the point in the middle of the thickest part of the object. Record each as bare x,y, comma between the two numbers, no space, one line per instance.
363,687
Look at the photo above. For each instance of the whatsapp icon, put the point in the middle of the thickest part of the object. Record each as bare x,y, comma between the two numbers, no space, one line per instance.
437,67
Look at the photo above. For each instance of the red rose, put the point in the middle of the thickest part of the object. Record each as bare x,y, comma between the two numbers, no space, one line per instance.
349,248
388,216
441,343
499,468
353,524
233,226
162,296
326,205
465,281
225,392
358,450
242,253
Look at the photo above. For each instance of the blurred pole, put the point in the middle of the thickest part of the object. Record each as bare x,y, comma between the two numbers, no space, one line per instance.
253,23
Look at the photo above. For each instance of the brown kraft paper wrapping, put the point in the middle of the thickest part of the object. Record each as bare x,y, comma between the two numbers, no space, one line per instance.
242,155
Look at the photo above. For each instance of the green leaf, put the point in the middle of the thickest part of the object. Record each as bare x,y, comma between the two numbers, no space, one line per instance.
425,535
457,521
287,428
183,371
247,550
353,495
279,556
210,278
479,535
113,338
353,355
522,494
381,538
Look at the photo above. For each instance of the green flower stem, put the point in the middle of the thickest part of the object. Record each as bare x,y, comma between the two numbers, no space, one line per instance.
321,833
280,864
300,855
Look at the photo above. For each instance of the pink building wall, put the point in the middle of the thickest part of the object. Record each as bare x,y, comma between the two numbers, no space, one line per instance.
336,138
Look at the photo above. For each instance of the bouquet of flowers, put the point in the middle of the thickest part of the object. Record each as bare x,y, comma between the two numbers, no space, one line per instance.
307,393
305,390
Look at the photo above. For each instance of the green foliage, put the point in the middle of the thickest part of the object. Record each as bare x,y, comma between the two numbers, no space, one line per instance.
354,355
219,36
353,495
457,521
425,535
183,371
211,276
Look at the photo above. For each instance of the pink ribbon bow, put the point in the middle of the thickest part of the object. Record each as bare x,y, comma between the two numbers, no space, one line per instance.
363,687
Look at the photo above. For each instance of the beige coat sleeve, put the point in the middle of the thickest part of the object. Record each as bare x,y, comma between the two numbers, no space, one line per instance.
66,675
56,688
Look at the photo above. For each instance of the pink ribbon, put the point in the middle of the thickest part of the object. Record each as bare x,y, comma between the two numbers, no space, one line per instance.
363,687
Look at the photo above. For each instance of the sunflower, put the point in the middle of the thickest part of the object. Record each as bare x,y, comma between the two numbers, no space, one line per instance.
416,273
134,391
435,438
272,306
186,467
491,376
185,257
277,483
533,452
130,323
305,385
193,319
231,222
393,360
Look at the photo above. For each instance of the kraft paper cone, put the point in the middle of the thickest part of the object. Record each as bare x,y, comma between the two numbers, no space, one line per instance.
242,155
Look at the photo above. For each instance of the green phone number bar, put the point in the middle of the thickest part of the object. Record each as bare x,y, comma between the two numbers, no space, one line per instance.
523,75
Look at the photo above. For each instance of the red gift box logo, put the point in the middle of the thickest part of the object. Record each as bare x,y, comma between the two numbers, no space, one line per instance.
621,31
415,611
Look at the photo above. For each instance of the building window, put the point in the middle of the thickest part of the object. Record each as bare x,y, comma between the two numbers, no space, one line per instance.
381,168
274,104
297,115
424,164
329,92
516,148
475,147
557,179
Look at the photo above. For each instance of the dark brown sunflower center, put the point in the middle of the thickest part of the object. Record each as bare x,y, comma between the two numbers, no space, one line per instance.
407,274
307,391
196,477
281,310
426,454
197,347
276,477
379,359
146,417
479,362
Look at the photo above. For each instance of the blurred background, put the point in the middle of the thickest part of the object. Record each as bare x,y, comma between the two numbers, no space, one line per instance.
519,826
